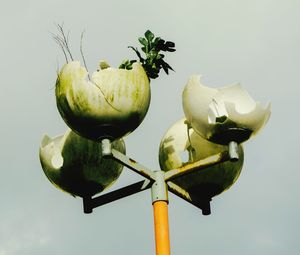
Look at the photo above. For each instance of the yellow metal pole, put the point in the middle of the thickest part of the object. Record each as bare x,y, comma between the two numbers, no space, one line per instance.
161,226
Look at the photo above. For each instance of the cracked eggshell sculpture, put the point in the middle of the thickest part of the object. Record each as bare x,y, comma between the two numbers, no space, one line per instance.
208,182
75,164
224,114
110,105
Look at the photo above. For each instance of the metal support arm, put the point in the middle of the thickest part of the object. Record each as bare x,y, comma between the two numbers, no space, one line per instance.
90,203
196,166
133,165
204,205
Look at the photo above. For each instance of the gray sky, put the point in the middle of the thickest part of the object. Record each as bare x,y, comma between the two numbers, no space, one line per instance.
254,42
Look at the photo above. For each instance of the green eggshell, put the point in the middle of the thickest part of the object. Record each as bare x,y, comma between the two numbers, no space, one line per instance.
75,164
206,183
110,105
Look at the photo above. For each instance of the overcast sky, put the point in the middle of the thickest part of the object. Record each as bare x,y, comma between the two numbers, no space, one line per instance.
253,42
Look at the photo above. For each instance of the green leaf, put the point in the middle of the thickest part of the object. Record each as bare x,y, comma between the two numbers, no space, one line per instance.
143,41
137,53
126,64
170,50
160,44
156,40
149,35
166,66
170,44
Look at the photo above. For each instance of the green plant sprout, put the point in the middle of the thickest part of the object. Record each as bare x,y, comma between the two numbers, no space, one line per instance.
153,60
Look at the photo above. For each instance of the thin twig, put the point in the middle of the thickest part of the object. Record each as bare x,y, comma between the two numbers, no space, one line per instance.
82,55
64,39
60,44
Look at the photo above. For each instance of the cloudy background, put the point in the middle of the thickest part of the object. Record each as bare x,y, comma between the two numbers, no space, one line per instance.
253,42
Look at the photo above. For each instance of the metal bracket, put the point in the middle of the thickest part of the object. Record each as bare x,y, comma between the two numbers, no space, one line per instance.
90,203
159,181
159,189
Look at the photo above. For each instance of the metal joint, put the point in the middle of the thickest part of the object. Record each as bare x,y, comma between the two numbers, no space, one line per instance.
159,189
106,148
233,151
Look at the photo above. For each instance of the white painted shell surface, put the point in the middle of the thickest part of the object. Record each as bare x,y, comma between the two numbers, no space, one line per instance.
212,112
75,164
173,153
112,104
